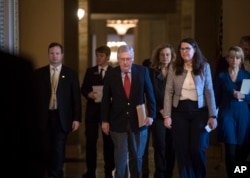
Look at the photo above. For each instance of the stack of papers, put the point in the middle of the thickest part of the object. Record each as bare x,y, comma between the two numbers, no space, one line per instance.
245,87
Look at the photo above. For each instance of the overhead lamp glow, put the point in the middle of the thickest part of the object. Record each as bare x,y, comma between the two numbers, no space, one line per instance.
122,26
80,13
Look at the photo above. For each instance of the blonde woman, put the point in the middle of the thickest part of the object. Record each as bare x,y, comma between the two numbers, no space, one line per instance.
233,116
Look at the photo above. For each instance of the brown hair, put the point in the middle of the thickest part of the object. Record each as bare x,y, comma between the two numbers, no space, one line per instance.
103,49
155,62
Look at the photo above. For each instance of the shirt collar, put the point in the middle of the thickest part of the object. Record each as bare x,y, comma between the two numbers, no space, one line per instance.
104,68
58,67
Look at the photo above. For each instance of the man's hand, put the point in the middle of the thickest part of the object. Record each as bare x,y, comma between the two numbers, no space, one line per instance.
148,121
75,125
105,128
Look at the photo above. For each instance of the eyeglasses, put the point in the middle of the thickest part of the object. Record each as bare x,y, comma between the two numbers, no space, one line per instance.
125,59
185,49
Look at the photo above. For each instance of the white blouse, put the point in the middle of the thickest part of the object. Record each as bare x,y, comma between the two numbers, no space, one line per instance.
188,88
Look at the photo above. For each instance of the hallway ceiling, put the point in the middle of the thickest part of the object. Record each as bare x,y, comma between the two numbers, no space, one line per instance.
132,6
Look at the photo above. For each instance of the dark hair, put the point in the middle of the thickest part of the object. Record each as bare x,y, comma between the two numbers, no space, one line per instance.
146,62
197,62
53,44
245,39
103,49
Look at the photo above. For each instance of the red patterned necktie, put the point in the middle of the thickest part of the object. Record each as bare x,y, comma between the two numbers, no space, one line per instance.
127,85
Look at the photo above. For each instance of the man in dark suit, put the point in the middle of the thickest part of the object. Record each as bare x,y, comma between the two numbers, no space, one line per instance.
94,78
60,105
119,111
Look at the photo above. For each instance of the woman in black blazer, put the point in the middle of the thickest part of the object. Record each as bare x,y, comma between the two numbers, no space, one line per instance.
164,155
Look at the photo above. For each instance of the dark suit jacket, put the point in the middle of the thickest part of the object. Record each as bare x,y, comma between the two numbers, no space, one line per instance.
91,78
159,84
116,108
23,153
68,95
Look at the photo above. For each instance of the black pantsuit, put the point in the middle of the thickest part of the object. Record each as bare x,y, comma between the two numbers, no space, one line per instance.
164,155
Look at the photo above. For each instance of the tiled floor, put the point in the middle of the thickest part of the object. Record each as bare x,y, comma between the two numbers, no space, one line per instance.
74,168
215,167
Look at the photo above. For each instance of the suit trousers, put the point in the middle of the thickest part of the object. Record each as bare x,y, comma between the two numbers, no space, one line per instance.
57,143
164,155
190,139
129,150
91,133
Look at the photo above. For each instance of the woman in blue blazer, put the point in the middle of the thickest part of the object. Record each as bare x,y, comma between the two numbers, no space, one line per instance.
233,116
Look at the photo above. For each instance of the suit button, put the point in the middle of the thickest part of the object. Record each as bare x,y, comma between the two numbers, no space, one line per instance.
128,104
127,113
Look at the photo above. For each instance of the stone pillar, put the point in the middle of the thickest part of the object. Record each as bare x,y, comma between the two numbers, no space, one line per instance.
76,57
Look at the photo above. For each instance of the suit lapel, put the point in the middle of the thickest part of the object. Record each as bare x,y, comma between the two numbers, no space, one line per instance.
134,80
62,76
47,80
119,81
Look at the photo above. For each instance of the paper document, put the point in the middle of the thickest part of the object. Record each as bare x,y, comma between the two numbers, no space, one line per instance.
141,112
245,87
98,90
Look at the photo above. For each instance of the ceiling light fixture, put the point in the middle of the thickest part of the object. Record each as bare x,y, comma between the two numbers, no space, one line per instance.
122,26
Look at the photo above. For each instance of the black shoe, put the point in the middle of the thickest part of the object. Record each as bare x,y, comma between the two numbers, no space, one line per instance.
108,176
85,175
